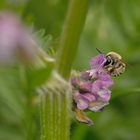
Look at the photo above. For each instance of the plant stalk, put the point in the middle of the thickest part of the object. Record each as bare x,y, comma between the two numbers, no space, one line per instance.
55,109
56,94
70,36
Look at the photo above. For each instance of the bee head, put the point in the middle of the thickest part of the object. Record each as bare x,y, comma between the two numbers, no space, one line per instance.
111,58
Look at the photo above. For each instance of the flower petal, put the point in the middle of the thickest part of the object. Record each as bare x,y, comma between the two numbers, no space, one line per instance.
98,61
82,102
89,96
104,95
82,105
97,106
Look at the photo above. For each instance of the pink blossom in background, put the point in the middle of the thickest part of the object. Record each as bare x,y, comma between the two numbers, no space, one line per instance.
15,41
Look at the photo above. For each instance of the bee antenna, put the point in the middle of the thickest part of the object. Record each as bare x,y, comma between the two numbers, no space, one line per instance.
99,51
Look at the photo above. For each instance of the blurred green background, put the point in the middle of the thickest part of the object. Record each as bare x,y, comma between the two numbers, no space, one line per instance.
110,26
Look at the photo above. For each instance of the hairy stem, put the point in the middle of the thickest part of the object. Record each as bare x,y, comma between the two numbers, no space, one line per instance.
55,110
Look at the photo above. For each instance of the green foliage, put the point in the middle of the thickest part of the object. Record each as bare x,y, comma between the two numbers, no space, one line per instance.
12,106
110,26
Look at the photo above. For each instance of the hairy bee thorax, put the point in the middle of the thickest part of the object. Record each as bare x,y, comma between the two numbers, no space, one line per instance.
114,64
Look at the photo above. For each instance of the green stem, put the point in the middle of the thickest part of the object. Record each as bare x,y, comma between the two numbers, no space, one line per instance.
70,36
55,109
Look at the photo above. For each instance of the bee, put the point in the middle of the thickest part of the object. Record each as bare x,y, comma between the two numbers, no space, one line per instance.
114,64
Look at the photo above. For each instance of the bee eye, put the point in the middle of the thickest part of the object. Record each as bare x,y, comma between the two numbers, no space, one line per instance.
108,60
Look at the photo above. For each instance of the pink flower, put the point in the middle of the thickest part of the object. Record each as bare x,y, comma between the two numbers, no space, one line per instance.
92,87
15,41
97,61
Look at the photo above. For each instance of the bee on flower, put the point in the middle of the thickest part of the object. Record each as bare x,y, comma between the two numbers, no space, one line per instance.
91,88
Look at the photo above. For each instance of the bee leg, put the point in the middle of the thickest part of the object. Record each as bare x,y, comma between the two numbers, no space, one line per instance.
81,117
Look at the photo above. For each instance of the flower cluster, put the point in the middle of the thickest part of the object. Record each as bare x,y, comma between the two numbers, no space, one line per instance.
91,88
